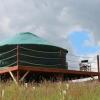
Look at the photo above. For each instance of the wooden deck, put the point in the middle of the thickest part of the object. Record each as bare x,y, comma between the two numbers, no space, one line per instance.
47,70
26,69
54,70
7,69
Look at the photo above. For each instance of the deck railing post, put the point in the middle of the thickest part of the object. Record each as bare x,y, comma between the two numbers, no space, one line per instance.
17,55
98,67
17,76
62,58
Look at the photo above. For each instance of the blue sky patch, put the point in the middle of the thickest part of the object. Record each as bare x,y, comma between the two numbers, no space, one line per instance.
78,40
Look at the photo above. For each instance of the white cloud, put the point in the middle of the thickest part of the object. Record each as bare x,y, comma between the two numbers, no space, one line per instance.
90,41
40,17
5,24
51,19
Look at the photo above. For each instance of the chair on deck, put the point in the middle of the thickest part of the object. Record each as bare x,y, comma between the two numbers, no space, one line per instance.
85,65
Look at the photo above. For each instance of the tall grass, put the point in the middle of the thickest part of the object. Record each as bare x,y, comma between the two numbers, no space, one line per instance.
50,91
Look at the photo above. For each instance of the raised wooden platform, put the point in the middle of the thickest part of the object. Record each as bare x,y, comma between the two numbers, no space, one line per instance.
54,70
47,70
7,69
27,69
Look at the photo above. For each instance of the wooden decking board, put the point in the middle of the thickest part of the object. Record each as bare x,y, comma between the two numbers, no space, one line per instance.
47,70
54,70
7,69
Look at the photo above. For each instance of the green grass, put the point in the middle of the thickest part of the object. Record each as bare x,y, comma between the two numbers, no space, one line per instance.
50,91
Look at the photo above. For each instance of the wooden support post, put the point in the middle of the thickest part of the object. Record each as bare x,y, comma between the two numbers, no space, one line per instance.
59,77
24,76
62,60
17,55
98,67
17,76
62,77
11,74
90,68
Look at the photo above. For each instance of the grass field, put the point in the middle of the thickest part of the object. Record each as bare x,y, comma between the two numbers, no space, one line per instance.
50,91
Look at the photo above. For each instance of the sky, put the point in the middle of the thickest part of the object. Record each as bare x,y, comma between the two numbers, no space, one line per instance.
71,24
80,43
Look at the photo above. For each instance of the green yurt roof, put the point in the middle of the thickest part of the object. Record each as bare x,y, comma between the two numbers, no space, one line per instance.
26,38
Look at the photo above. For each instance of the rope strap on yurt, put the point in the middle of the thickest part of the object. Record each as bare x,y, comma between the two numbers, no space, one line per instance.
37,50
38,64
7,52
8,58
39,58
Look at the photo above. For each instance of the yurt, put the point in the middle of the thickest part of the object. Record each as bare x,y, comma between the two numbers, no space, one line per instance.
27,50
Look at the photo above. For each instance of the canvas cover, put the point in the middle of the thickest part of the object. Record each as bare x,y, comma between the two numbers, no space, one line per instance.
32,51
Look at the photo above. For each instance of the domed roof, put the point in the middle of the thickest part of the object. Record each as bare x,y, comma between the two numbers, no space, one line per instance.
26,38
